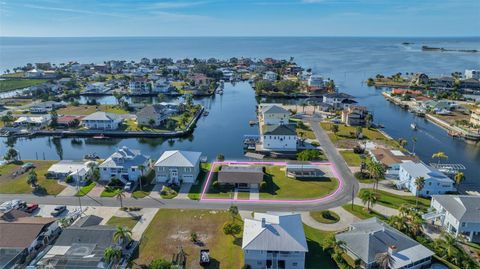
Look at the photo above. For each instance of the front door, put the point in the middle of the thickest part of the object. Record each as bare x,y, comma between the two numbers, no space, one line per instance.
174,175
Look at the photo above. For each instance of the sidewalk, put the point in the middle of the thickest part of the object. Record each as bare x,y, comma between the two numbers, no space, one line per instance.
183,192
345,220
147,216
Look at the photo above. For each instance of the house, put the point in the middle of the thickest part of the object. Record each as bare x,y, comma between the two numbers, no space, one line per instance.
124,164
368,238
281,137
243,177
45,107
391,159
338,100
34,73
303,170
78,170
316,81
274,114
472,73
102,121
82,245
396,91
420,79
37,121
435,181
178,166
199,79
162,86
23,236
97,87
470,83
355,115
154,115
274,240
68,121
475,117
270,76
443,82
139,85
457,214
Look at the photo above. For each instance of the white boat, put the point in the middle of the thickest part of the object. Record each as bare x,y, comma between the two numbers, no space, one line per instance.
413,126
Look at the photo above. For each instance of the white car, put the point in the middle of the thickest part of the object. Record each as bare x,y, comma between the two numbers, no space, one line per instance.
6,206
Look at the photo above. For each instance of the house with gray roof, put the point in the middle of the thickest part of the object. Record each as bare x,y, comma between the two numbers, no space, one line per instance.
241,176
457,214
274,240
367,239
152,115
435,181
124,164
273,114
178,166
281,137
102,121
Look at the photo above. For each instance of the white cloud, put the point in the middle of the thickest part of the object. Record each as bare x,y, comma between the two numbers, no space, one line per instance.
71,10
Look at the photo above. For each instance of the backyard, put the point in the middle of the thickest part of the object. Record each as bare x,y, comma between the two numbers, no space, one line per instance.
316,257
171,229
352,158
18,184
362,213
395,201
89,109
14,84
128,222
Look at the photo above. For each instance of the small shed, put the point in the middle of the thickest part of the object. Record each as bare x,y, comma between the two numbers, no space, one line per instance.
303,170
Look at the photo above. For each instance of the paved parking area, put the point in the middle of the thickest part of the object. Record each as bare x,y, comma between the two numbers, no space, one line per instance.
45,210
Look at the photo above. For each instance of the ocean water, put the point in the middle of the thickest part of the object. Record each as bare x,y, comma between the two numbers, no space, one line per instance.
349,61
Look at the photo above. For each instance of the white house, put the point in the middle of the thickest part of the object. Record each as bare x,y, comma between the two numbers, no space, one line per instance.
269,75
457,214
162,86
34,73
435,181
472,73
124,165
97,87
338,100
37,121
281,137
178,166
274,240
139,85
368,238
315,81
274,114
45,107
102,120
78,170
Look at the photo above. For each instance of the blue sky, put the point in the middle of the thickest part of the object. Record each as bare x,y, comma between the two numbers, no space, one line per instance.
240,18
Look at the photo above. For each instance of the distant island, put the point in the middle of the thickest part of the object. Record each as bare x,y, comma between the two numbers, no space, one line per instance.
427,48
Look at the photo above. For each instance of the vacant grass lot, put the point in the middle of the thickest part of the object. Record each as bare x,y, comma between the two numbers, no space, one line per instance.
128,222
18,184
362,213
316,257
395,201
171,228
351,157
87,110
14,84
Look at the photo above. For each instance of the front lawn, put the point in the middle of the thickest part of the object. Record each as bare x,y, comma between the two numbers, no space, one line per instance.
89,109
196,189
325,216
111,191
316,257
352,158
170,229
14,84
147,186
86,189
128,222
395,201
18,184
362,213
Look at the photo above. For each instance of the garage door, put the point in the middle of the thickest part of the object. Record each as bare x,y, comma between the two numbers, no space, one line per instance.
161,178
188,178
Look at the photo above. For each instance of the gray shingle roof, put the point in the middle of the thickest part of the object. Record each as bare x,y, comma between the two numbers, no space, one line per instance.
282,129
179,158
103,116
240,174
274,109
281,232
465,208
151,110
125,157
370,237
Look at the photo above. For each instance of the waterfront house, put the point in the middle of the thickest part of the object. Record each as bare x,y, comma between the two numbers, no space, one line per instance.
470,83
23,236
68,121
435,181
368,238
281,137
102,121
420,79
124,164
45,107
338,100
97,87
303,170
274,240
242,177
34,73
354,115
472,73
78,170
475,117
162,86
443,82
457,214
315,81
178,166
391,159
139,85
273,114
270,76
154,115
36,121
199,79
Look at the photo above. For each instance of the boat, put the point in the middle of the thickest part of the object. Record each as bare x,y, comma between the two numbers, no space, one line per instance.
100,137
91,156
253,122
205,113
413,126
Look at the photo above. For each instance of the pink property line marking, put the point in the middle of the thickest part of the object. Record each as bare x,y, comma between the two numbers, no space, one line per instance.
325,198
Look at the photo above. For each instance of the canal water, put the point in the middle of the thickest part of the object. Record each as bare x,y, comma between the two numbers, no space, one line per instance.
349,61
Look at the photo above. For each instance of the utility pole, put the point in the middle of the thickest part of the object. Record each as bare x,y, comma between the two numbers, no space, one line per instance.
353,196
78,193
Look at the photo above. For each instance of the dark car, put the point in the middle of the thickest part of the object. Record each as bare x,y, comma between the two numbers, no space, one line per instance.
31,208
58,210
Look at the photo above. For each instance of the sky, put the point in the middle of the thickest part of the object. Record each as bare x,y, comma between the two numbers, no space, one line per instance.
239,18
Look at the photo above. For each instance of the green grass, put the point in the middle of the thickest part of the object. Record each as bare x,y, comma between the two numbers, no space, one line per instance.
18,184
14,84
170,192
395,201
13,75
243,195
279,186
110,192
171,228
325,216
196,189
316,257
86,189
128,222
361,212
351,157
88,109
147,186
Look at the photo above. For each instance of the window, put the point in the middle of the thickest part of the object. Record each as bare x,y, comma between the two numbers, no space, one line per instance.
294,264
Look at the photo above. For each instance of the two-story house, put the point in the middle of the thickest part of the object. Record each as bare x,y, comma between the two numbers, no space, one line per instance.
102,121
281,137
140,85
435,182
338,100
355,115
274,240
178,166
153,115
124,164
270,76
274,114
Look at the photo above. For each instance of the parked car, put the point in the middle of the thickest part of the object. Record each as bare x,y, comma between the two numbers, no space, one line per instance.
128,187
18,204
58,210
6,206
31,208
27,166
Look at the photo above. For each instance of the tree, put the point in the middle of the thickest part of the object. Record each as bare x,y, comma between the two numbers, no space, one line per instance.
308,155
160,264
94,171
439,155
54,118
112,254
233,210
11,154
32,178
358,131
419,184
122,235
335,129
232,229
151,123
7,118
403,142
414,142
194,237
161,97
120,195
118,97
369,120
385,260
141,167
334,247
459,177
189,101
369,198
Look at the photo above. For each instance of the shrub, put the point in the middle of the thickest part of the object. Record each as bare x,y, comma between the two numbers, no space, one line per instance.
263,185
69,179
215,184
220,157
358,149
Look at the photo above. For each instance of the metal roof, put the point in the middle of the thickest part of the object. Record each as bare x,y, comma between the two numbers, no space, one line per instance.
179,158
465,208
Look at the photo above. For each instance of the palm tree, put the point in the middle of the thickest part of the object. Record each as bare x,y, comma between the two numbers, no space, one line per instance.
303,106
439,155
93,167
459,177
385,260
120,195
112,254
336,248
122,235
369,120
32,179
142,169
414,142
419,185
369,198
233,210
403,142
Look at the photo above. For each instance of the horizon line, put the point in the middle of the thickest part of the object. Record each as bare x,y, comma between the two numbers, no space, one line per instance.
249,36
